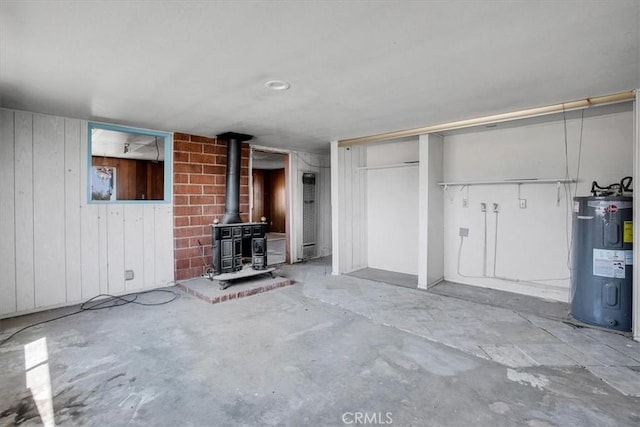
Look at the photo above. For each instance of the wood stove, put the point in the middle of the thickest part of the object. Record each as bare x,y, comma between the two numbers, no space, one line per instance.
233,242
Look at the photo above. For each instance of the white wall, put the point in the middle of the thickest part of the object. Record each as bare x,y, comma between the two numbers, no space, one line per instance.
532,242
392,207
320,165
432,167
55,248
348,208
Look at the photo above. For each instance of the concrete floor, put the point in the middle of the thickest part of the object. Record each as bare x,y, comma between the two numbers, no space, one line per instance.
322,352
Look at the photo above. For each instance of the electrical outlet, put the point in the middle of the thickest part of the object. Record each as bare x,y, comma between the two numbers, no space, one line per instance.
464,232
483,207
523,203
128,275
465,203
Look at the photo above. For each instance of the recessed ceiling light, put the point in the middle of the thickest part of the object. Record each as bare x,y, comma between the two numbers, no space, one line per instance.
277,85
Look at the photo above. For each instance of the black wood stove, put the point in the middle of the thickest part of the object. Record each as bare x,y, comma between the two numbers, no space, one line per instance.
234,240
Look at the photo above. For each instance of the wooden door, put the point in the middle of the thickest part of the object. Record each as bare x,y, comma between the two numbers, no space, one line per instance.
258,195
278,199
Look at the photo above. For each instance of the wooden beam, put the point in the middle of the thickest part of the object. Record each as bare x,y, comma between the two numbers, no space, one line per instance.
496,118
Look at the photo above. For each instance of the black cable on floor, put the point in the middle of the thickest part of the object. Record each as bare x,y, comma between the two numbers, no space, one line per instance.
109,301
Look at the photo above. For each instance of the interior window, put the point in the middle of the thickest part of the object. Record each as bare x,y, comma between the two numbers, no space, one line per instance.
128,164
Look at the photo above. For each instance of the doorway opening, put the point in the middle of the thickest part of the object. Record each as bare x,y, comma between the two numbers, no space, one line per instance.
270,199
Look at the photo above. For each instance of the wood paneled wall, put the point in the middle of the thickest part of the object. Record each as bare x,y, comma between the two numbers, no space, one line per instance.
55,248
349,208
270,198
135,179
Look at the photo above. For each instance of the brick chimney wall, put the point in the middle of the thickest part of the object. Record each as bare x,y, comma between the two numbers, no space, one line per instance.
199,167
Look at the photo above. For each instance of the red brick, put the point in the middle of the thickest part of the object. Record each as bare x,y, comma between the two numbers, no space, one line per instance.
189,147
244,162
212,189
244,199
180,200
180,221
213,210
199,261
244,181
181,136
188,273
213,170
180,178
204,241
187,189
181,243
221,160
187,253
188,231
187,210
182,263
202,179
220,200
220,180
215,149
200,220
202,200
208,140
208,159
181,157
187,168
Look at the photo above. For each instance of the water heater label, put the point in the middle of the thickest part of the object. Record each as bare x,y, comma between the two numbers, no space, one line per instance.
608,263
628,232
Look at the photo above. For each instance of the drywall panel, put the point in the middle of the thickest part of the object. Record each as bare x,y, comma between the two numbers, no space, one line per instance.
349,215
48,210
336,202
435,235
133,217
528,246
115,248
149,246
103,248
353,215
90,250
25,283
392,207
72,193
163,222
7,215
431,212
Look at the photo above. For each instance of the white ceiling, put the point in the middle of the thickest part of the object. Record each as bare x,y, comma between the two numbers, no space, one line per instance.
355,68
124,145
